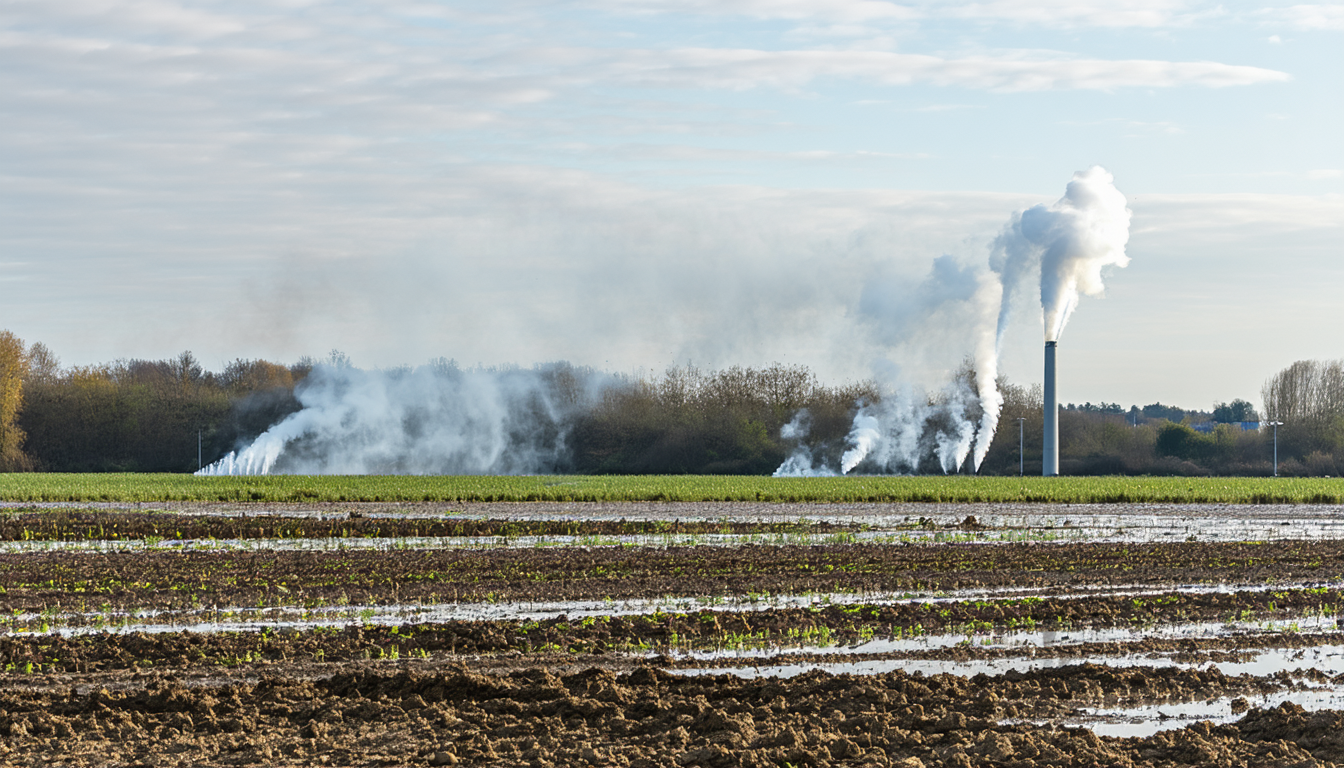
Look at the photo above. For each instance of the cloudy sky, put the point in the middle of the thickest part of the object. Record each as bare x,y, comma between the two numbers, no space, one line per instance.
640,183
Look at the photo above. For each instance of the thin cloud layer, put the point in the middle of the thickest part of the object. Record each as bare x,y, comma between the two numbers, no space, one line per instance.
744,69
1316,17
1054,13
621,184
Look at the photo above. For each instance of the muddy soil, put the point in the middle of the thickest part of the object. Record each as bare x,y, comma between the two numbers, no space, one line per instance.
718,511
69,581
838,625
373,715
85,525
628,690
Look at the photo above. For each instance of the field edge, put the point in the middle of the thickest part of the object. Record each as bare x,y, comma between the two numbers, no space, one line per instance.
140,488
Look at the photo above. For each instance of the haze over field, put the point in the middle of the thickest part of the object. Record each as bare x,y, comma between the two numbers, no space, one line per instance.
631,185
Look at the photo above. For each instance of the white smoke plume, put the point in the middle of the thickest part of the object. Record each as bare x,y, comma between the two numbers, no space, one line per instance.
888,437
1066,245
954,440
898,422
799,463
1069,242
437,419
865,435
894,434
988,347
798,427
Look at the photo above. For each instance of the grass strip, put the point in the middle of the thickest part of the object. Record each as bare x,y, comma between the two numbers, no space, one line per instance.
130,488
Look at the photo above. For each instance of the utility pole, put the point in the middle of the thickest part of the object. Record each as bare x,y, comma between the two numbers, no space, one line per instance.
1276,425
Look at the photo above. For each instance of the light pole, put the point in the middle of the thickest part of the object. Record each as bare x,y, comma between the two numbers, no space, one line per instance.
1021,462
1276,425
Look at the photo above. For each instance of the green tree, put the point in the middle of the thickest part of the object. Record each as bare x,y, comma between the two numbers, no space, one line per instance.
1236,411
1181,442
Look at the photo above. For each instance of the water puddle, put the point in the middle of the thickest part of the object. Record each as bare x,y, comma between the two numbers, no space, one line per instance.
244,618
1260,663
1328,658
343,544
240,617
1087,532
298,617
1304,668
1119,523
1152,718
1027,641
871,523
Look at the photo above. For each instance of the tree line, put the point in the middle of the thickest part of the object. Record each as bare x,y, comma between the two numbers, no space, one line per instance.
174,415
133,415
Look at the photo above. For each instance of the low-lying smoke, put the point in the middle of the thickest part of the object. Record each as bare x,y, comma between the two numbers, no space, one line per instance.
1064,247
437,419
799,463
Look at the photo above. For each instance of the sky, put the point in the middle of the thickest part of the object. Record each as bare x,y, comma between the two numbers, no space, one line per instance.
632,185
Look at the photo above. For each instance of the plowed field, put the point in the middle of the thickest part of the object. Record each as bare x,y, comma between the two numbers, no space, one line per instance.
719,634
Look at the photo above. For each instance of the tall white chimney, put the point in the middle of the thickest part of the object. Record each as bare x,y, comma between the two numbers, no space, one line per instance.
1050,458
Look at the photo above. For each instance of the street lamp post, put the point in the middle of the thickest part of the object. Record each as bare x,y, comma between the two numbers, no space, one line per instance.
1021,462
1276,425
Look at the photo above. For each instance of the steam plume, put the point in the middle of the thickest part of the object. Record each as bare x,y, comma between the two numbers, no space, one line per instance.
1070,242
437,419
1066,245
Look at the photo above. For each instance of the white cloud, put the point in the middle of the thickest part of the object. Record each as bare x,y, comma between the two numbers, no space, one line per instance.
1318,16
1080,13
845,10
1048,13
138,17
1313,175
947,107
681,154
1228,217
742,69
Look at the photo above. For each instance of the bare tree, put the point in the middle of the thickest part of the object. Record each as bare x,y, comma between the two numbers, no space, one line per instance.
1308,397
1306,391
43,365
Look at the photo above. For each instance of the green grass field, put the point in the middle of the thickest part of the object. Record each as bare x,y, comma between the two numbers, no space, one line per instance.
298,488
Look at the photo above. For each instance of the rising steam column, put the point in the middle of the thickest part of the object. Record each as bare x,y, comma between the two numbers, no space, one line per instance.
1050,457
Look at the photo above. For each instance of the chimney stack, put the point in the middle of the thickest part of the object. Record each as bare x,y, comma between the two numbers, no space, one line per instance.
1050,458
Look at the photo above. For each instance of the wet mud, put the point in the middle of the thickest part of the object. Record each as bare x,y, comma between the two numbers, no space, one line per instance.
67,581
452,715
694,686
773,630
85,525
